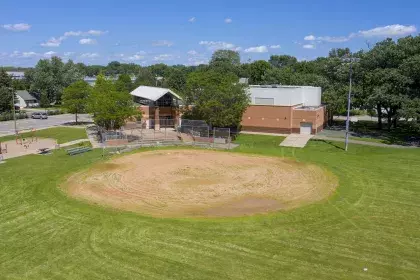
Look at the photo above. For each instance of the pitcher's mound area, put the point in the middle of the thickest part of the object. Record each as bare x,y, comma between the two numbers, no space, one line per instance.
192,183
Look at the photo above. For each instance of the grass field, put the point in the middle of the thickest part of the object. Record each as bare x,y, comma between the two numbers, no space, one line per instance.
372,221
62,134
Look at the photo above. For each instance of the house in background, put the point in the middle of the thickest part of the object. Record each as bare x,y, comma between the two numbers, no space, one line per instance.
16,75
25,99
160,106
284,109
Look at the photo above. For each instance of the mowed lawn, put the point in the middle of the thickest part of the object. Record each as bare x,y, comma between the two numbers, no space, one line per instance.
62,134
372,222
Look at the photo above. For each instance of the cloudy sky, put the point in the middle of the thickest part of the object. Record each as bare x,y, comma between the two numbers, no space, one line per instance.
187,32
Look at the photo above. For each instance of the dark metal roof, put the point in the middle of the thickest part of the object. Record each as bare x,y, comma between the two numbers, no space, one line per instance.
25,95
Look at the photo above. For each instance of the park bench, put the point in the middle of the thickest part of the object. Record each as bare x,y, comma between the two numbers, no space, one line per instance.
78,150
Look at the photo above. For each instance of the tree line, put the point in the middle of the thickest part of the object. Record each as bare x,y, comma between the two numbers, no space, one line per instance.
386,79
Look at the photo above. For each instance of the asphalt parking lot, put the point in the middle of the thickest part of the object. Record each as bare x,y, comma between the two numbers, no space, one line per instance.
8,127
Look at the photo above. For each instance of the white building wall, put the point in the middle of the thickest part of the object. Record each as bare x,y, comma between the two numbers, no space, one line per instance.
287,95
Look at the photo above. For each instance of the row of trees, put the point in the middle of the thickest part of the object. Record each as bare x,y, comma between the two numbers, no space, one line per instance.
109,103
386,79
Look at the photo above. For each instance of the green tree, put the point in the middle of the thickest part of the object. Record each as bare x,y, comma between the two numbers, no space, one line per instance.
225,57
124,83
177,80
144,78
6,92
44,101
110,108
75,97
52,76
257,71
280,61
217,98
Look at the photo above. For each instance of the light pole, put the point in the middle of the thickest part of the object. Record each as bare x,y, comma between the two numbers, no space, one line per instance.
14,109
349,101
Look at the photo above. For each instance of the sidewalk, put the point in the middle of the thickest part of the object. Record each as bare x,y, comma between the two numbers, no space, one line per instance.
321,137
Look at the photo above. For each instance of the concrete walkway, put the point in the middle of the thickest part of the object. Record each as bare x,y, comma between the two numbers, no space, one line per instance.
296,140
71,143
359,142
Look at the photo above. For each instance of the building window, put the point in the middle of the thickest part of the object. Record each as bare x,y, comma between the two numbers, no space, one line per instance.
264,101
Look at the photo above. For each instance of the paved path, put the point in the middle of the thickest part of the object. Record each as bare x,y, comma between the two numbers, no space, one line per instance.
264,133
321,137
74,142
296,140
8,127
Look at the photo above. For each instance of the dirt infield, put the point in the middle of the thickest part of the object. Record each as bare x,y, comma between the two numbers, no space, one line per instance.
193,183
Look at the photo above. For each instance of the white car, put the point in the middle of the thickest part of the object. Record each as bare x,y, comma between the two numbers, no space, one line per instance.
39,115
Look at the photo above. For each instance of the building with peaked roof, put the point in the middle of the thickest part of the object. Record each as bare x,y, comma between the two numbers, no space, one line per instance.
25,99
284,109
160,106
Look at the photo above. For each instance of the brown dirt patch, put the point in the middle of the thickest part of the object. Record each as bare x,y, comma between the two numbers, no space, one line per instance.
192,183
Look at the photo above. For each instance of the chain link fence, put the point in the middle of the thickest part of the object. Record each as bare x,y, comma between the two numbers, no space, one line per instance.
190,133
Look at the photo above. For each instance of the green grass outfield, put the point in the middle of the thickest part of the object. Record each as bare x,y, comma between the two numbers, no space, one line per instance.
62,134
373,222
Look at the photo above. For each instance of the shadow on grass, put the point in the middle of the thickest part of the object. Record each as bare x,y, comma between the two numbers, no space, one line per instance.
78,123
329,143
404,134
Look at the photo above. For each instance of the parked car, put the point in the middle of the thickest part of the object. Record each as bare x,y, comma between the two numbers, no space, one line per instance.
39,115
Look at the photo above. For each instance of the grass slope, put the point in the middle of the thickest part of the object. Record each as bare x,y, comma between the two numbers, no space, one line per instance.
62,134
372,221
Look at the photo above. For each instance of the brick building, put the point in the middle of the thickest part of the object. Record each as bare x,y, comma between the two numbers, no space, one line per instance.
284,109
160,106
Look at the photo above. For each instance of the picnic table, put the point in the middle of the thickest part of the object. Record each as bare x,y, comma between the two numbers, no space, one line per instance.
44,151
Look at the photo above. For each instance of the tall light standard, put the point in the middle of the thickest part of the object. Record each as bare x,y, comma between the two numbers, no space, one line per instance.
351,60
12,91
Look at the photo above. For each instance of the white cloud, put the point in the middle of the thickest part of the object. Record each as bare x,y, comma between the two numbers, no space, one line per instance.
217,45
162,43
163,57
29,54
193,52
275,47
135,57
68,53
73,33
309,46
259,49
56,42
328,39
197,61
192,19
49,54
17,27
89,55
19,54
382,31
87,41
85,33
228,20
309,38
96,32
53,42
389,30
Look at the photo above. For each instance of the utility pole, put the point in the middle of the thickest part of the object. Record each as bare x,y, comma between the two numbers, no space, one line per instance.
14,109
351,59
348,107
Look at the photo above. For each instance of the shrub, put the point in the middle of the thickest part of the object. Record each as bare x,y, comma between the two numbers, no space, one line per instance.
55,112
8,116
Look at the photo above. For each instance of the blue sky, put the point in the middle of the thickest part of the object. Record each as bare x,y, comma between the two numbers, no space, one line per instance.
187,32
